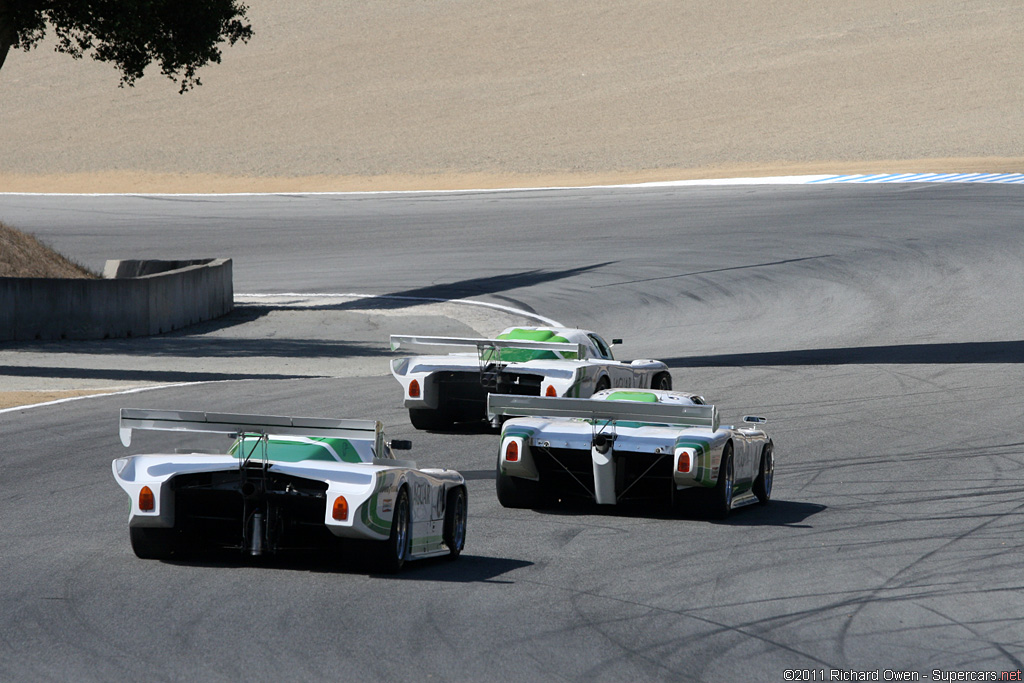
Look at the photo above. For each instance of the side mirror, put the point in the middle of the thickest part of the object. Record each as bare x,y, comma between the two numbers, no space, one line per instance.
400,445
616,342
754,419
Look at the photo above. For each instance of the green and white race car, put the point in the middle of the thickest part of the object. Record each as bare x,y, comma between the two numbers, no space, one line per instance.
628,445
287,484
527,361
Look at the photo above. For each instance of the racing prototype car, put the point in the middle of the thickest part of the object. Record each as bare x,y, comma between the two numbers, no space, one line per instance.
527,361
285,484
626,445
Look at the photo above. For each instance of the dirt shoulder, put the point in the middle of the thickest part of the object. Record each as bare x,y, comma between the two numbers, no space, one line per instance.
387,96
15,399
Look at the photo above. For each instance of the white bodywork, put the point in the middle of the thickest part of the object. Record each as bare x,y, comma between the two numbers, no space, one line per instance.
575,367
369,486
648,439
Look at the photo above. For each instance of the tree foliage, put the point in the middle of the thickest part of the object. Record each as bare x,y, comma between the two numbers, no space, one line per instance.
180,35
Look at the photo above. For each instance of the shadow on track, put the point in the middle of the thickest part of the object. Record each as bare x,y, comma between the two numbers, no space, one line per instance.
466,569
776,513
789,513
192,342
472,475
898,354
472,287
117,374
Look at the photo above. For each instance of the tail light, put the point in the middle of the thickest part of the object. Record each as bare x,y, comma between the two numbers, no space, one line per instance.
414,389
147,501
685,462
551,391
340,511
512,451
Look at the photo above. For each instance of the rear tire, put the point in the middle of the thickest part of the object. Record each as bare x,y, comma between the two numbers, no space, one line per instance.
427,419
765,475
516,492
455,522
152,543
722,500
395,551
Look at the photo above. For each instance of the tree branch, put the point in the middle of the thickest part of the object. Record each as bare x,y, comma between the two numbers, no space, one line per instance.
180,35
7,33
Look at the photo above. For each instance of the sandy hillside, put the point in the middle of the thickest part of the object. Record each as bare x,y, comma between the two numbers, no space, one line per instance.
375,95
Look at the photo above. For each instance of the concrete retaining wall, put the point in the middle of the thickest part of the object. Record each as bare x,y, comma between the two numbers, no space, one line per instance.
134,299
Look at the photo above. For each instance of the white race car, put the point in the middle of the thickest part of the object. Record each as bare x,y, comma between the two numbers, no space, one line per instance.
625,445
528,361
285,484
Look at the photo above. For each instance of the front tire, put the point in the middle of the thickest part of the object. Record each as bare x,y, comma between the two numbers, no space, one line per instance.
722,500
662,381
765,475
395,551
455,522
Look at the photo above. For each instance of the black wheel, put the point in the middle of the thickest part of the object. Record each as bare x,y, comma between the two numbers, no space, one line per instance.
150,543
602,384
765,475
516,492
662,381
395,551
455,521
722,500
427,419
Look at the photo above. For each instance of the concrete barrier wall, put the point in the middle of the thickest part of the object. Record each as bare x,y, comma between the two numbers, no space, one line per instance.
145,298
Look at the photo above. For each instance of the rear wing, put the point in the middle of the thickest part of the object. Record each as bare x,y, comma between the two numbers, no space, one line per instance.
483,345
612,411
227,423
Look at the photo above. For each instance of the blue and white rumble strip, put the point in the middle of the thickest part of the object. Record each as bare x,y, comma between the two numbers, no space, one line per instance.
863,178
922,178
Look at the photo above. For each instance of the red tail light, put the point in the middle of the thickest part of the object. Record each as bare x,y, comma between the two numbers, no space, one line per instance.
340,511
685,463
147,501
414,389
551,391
512,452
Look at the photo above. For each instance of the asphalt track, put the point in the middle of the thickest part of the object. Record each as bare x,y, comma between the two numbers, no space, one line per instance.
877,327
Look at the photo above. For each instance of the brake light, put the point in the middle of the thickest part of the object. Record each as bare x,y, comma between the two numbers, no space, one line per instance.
340,511
685,463
147,501
551,391
512,452
414,389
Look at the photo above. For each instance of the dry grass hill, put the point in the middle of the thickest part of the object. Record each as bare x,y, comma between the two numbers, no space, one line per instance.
22,255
